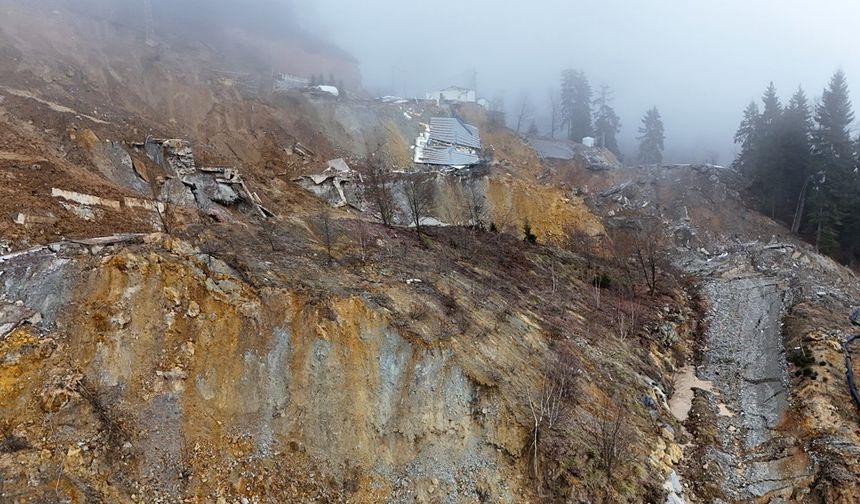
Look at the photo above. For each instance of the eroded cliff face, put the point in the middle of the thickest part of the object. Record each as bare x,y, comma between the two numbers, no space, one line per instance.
201,372
157,371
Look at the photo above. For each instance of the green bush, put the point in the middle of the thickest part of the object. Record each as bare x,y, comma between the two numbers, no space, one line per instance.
529,236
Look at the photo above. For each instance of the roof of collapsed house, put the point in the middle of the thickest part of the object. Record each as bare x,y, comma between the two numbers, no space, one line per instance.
447,141
448,156
454,132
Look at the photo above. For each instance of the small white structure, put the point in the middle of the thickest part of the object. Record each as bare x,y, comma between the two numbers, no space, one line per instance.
484,103
327,89
588,142
454,94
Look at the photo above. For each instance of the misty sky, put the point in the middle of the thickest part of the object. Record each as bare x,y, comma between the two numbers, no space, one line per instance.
698,61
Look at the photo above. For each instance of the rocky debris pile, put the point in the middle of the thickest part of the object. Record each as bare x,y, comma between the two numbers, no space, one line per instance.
674,490
338,184
750,287
597,158
175,154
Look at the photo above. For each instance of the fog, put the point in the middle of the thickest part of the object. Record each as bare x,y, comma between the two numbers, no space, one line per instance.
699,62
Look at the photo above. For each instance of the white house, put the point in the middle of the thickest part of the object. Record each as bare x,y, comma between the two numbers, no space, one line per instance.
453,94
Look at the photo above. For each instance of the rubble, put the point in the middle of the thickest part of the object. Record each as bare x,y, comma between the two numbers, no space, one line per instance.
336,184
302,151
174,155
175,192
201,187
232,176
616,190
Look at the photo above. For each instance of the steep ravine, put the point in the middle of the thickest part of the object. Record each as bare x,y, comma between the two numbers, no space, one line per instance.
755,455
745,360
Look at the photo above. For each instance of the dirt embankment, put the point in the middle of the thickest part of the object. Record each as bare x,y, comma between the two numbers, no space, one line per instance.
212,369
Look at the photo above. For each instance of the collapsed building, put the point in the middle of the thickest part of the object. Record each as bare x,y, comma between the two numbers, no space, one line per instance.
338,184
450,142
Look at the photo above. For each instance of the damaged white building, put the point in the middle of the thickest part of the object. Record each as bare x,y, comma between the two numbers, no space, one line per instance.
448,141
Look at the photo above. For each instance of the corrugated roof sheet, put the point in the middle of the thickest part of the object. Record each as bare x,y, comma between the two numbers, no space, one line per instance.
454,132
448,156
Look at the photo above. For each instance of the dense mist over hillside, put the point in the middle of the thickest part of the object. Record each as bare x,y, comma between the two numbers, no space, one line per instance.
700,63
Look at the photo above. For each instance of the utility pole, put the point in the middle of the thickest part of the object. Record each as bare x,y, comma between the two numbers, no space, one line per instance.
150,28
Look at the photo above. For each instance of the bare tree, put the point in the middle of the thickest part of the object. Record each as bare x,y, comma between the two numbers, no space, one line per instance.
549,407
477,202
363,237
649,252
379,190
524,113
328,233
419,190
612,436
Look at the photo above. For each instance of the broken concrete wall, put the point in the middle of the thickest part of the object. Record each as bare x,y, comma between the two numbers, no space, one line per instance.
208,191
175,192
176,156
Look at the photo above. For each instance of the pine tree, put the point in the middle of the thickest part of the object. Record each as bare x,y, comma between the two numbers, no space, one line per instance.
651,138
607,124
796,154
768,170
747,138
833,153
576,105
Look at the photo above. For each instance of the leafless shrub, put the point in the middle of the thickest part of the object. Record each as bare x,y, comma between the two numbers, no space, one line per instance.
549,408
363,239
626,318
328,233
611,435
596,294
418,312
477,202
639,250
378,190
419,190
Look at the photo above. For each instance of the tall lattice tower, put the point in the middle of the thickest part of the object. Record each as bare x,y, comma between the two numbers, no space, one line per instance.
150,25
